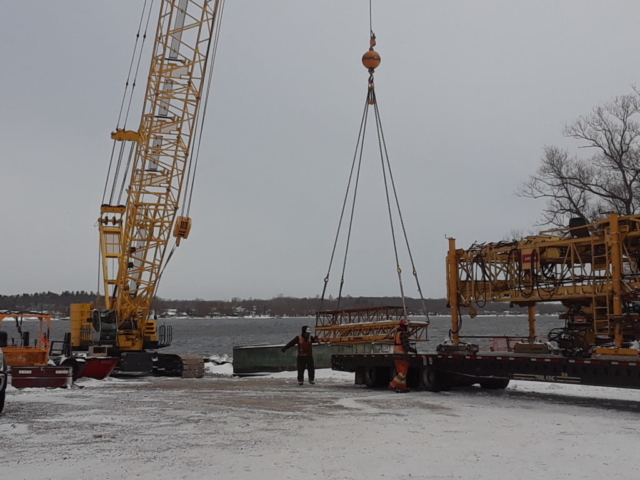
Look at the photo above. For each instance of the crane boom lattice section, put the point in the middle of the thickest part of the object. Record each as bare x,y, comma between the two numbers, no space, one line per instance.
169,123
365,325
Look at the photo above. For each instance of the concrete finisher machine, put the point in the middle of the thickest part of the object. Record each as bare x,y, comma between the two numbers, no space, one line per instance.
152,169
592,270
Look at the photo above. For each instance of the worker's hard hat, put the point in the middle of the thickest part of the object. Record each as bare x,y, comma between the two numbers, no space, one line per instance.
404,322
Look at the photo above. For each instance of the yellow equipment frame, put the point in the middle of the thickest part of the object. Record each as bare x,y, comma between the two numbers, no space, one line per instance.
594,270
29,355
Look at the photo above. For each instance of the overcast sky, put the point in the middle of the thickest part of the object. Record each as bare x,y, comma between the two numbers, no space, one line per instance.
469,93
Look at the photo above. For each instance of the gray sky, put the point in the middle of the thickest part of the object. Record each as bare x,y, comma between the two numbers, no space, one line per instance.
469,93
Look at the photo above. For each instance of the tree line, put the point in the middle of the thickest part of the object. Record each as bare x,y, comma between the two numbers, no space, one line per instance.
279,306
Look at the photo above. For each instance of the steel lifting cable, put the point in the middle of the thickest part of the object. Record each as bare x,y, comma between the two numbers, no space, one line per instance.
134,145
124,94
346,197
116,174
353,204
190,180
383,148
135,76
359,149
132,151
386,191
371,61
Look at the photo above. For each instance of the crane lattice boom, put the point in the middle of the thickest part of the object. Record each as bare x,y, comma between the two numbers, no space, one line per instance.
135,237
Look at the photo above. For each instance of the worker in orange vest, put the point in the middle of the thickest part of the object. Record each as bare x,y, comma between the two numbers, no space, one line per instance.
305,354
401,346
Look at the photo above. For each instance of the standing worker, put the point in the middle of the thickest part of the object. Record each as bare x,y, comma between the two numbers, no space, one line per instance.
305,354
401,346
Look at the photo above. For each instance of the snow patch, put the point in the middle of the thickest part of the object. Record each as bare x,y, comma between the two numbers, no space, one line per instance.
219,365
14,429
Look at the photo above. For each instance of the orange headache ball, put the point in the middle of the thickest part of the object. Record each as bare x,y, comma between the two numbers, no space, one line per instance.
371,59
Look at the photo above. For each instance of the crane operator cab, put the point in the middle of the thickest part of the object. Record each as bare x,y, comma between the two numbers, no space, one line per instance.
105,327
91,326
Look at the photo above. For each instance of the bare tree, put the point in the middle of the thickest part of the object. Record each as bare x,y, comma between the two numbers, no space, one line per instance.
606,181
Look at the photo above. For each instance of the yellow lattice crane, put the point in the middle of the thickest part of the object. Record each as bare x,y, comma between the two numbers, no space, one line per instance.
156,178
592,269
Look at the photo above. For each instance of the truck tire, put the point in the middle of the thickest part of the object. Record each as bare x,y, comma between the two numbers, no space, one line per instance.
371,377
2,397
430,379
494,383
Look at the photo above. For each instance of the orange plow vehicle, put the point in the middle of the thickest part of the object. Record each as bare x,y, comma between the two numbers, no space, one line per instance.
28,361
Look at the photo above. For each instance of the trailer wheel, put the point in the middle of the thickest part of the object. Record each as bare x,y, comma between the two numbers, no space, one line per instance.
2,397
494,383
371,377
77,364
430,379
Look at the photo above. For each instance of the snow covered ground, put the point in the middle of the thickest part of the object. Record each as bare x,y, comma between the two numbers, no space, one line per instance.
222,427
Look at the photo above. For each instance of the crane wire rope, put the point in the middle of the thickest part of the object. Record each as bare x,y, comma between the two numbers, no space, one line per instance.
135,76
126,88
387,179
359,144
384,156
190,181
353,205
134,145
346,198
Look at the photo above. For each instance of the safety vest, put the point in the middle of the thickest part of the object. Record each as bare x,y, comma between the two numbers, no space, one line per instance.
304,347
397,347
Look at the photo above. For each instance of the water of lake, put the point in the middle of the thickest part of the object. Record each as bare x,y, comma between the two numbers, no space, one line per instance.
218,336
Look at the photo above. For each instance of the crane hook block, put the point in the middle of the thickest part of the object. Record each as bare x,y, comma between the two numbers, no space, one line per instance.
122,135
182,228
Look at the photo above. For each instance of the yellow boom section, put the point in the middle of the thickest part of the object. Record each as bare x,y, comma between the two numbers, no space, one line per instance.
135,236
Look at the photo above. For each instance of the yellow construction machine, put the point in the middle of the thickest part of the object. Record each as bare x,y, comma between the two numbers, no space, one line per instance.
147,194
593,270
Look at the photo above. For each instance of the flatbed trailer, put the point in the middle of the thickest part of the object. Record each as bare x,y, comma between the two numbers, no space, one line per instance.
492,370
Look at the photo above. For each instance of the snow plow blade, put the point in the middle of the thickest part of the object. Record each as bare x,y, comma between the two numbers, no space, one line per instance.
179,365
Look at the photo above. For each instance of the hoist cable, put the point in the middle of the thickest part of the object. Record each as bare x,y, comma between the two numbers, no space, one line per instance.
386,191
135,76
353,205
106,182
124,96
400,216
117,172
133,56
346,198
132,151
190,181
157,285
